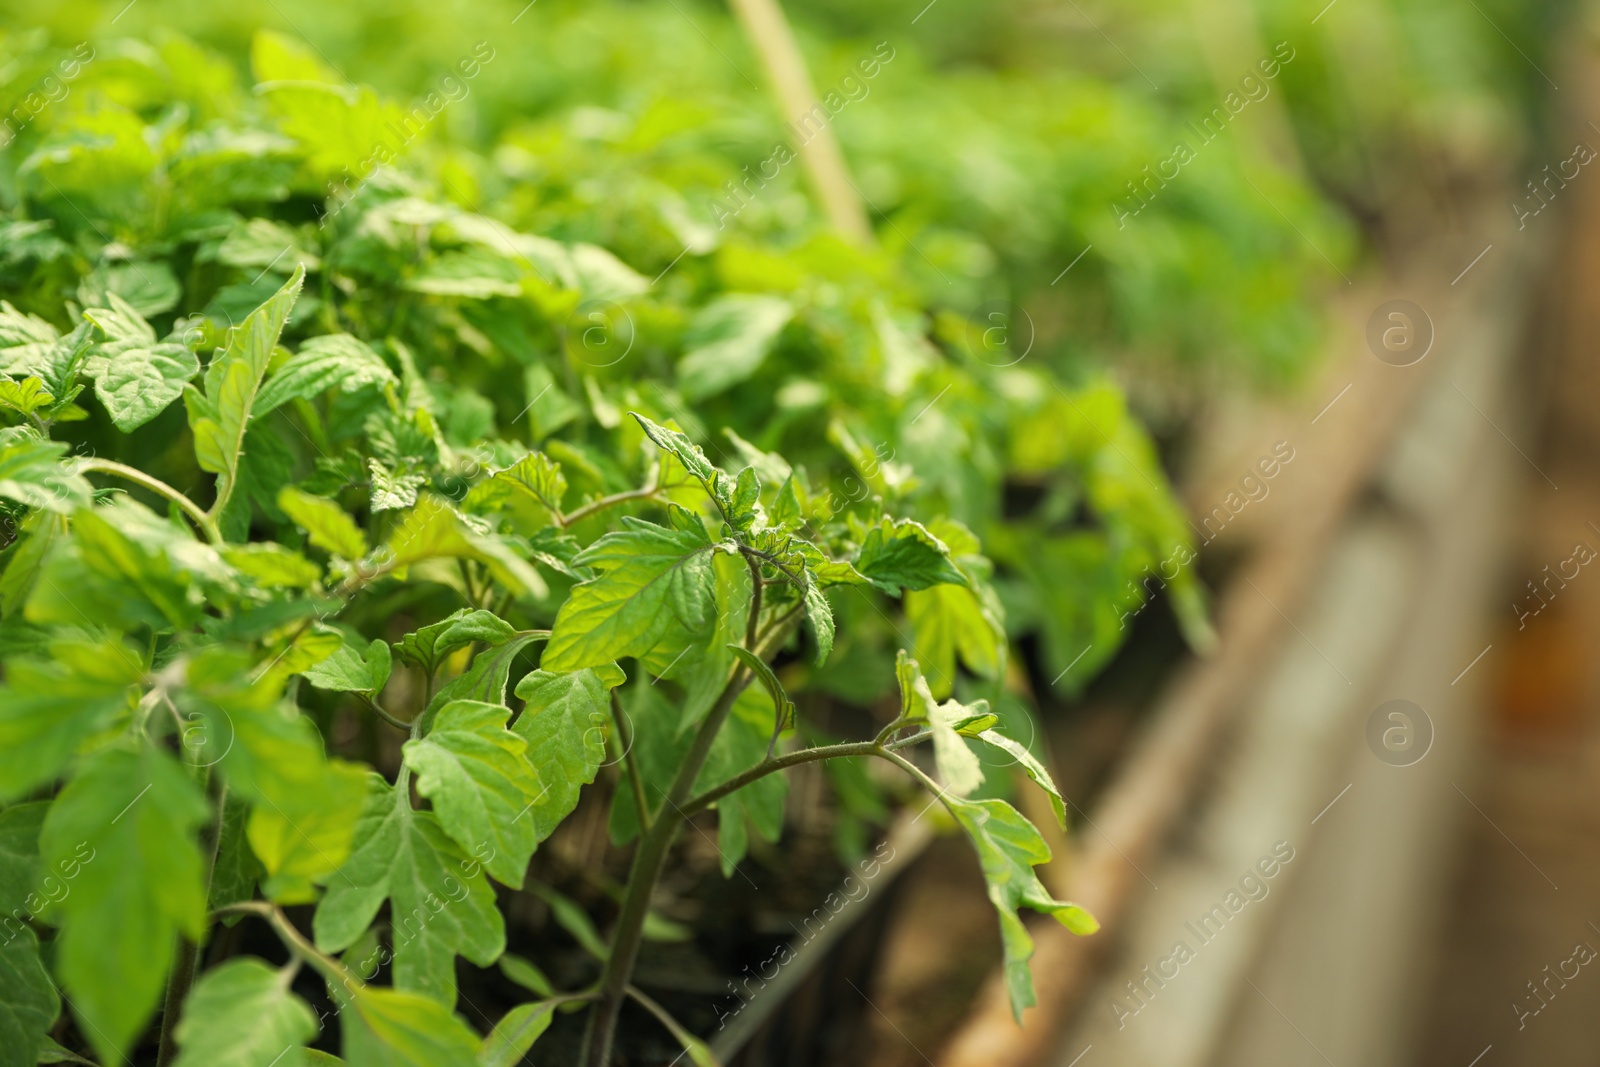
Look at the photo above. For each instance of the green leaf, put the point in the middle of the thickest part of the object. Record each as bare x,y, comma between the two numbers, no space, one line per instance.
434,530
48,708
334,360
508,1043
477,774
896,555
819,616
242,1014
50,1052
135,376
1008,849
25,397
324,522
19,857
728,340
428,647
650,577
236,870
219,415
565,723
272,566
769,682
688,453
138,811
352,670
571,918
526,975
30,1004
441,904
396,1028
539,477
32,472
24,340
958,765
1035,770
950,620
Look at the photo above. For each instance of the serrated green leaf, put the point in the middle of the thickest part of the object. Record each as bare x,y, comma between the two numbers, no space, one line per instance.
220,414
242,1014
819,616
32,472
650,577
728,340
30,1004
441,904
397,1028
25,397
538,476
565,723
24,340
135,376
1008,849
324,522
958,765
949,621
688,453
48,708
904,555
323,363
428,646
139,812
477,774
352,669
433,530
236,870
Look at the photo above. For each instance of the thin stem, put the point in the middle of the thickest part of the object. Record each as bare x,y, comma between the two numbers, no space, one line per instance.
644,492
398,724
650,858
777,763
683,1037
641,806
295,941
755,601
206,524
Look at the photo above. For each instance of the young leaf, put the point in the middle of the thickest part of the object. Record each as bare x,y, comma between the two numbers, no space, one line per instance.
650,576
19,857
395,1028
1009,848
951,620
769,682
688,453
322,364
508,1043
538,476
135,376
219,415
30,1005
352,670
242,1014
819,616
441,905
49,707
428,646
484,680
272,566
477,774
138,811
324,522
526,975
896,555
32,472
1032,766
433,530
565,723
958,765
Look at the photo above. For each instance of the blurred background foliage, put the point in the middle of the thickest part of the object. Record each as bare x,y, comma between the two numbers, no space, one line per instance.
1015,350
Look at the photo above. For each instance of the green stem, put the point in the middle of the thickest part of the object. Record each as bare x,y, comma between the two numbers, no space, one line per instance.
777,763
204,522
181,979
295,941
644,492
650,858
631,761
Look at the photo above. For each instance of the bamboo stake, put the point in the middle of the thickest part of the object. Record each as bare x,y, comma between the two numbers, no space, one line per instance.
769,32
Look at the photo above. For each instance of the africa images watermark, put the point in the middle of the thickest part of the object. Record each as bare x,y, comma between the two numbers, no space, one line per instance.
407,128
850,89
1253,887
1211,125
50,89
